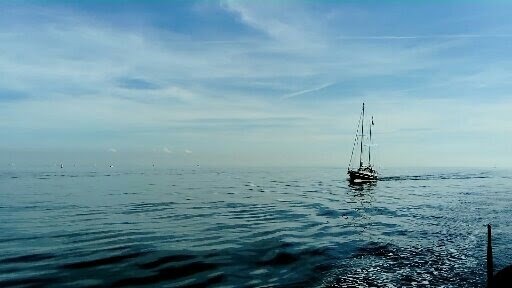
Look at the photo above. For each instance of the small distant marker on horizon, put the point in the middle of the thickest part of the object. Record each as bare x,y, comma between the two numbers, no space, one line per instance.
61,165
111,166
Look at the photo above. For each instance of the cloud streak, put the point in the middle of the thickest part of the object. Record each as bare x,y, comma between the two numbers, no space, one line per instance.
415,37
307,91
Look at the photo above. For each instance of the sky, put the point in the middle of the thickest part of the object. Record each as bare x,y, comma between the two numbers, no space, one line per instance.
255,83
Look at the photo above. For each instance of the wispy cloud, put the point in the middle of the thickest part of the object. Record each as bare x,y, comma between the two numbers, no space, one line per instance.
433,37
306,91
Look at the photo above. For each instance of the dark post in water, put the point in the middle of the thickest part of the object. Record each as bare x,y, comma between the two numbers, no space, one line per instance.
489,258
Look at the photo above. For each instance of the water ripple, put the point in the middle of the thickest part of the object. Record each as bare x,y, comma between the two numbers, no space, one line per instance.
250,228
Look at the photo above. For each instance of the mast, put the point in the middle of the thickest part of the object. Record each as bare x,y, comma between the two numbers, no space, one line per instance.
369,146
362,135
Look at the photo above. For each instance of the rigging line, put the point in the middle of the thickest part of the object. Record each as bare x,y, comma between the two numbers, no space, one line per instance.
355,141
362,138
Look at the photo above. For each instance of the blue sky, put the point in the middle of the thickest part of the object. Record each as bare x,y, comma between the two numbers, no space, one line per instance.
256,82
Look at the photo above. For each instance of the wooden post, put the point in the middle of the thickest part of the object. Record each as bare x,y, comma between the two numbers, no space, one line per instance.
490,268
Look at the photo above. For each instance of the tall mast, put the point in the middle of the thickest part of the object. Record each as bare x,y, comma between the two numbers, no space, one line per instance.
369,146
362,135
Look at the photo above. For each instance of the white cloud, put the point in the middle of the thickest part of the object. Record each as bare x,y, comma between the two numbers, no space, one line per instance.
305,91
437,36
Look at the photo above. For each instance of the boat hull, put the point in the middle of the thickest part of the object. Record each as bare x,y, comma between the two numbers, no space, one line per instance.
361,176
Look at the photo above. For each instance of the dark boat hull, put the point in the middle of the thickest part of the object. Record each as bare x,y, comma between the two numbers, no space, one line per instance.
360,176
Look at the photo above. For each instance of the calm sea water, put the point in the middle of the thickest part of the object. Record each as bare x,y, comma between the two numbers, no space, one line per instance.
300,227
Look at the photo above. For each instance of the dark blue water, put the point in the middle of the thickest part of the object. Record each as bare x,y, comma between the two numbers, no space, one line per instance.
302,227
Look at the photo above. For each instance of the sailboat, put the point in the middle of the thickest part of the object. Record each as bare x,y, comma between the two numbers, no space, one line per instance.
365,172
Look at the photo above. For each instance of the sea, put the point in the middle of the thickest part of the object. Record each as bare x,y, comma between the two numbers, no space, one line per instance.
251,227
